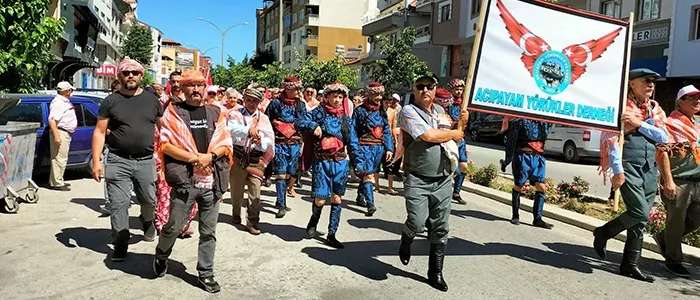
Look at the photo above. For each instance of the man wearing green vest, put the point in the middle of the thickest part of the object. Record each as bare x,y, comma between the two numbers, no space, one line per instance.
634,170
679,164
428,184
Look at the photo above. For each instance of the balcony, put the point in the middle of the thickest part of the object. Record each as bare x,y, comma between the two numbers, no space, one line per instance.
310,40
422,35
312,2
425,6
382,23
311,20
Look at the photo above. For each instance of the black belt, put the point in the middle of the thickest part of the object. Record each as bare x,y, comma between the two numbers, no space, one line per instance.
131,156
64,130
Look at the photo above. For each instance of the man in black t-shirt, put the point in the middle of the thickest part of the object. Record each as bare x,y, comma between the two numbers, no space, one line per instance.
131,116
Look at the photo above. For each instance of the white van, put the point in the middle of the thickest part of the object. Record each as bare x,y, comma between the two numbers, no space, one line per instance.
573,143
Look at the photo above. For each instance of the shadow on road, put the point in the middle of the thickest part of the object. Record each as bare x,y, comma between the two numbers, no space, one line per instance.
477,215
137,264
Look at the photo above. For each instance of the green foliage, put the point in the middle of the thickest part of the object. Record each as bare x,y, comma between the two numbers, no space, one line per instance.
147,79
237,75
26,37
262,58
575,189
575,205
485,175
138,44
398,66
317,74
273,74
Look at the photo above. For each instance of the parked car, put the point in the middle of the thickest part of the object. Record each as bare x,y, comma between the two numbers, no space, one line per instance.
483,126
573,143
35,108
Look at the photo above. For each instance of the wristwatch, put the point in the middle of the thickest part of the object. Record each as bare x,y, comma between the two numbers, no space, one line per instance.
213,156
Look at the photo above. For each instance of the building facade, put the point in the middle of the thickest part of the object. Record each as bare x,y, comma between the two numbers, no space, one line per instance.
321,29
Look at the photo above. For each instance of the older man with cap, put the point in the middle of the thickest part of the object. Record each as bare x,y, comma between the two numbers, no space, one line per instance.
679,165
253,149
634,170
196,147
428,183
284,113
62,124
376,143
131,116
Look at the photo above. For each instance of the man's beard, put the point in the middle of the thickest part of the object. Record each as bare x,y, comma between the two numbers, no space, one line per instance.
132,86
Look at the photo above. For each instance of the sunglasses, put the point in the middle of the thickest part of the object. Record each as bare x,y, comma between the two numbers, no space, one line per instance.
211,93
649,80
430,87
133,73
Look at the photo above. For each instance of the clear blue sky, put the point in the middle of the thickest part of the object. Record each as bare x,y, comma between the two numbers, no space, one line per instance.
178,20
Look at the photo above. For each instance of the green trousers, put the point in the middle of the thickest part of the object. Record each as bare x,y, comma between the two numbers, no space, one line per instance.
683,217
638,193
428,203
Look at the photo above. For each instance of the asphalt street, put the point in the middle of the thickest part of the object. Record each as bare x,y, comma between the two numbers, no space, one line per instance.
484,153
58,249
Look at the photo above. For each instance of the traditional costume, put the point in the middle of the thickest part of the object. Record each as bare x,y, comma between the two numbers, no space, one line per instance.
251,157
637,163
330,167
284,114
453,110
374,132
525,149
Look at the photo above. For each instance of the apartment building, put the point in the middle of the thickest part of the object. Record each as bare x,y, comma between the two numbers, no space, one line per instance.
322,29
177,57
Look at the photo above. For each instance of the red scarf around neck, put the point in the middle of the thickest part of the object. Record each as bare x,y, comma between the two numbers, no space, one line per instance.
457,101
371,106
289,101
338,112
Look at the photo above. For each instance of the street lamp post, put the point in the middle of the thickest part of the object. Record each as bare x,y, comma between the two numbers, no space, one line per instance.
223,34
202,53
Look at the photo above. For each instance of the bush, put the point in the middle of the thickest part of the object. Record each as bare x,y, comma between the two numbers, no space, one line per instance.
551,195
575,189
657,220
484,176
471,170
574,204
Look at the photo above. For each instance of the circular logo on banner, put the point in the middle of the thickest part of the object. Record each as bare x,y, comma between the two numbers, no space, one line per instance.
552,72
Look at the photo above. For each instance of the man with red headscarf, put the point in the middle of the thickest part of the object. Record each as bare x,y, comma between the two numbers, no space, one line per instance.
374,132
284,113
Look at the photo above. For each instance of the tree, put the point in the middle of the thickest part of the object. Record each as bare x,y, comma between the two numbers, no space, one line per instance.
398,65
262,58
317,74
138,44
237,75
147,79
26,37
273,74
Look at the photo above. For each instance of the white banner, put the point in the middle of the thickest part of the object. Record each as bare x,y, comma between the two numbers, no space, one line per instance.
551,63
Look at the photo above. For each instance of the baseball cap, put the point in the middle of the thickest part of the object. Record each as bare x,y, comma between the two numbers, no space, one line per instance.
425,75
687,90
642,72
396,97
64,86
213,89
253,93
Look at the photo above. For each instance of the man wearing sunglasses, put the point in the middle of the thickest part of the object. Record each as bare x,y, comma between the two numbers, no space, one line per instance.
428,183
130,115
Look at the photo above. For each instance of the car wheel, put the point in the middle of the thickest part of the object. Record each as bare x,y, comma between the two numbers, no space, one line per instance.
570,152
474,135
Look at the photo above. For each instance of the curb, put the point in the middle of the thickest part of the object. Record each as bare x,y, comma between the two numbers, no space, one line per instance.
690,254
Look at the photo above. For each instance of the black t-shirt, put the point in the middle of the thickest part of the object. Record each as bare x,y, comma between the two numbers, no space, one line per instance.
198,126
132,121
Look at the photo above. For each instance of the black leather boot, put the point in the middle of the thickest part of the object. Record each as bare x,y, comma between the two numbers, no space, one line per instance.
630,260
603,233
405,248
435,262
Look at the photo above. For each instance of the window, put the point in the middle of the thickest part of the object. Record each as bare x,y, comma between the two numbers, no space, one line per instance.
648,9
696,24
24,112
294,19
84,116
445,11
476,8
610,8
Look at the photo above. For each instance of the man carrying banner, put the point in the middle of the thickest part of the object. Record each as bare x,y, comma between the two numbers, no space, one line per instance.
253,148
428,182
525,148
284,112
456,87
333,131
679,164
374,131
635,171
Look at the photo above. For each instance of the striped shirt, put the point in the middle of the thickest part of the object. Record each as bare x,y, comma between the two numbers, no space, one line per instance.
413,124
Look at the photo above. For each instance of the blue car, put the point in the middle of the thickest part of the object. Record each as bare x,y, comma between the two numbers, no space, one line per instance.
35,108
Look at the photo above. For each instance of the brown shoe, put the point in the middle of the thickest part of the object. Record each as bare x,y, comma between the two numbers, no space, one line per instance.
291,192
253,230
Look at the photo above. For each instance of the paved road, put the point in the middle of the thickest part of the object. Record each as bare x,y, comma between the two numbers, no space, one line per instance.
57,249
483,154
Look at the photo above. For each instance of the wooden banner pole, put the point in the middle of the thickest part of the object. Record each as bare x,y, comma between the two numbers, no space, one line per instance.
472,61
616,202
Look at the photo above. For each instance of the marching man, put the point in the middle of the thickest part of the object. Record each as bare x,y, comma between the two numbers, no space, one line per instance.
333,130
253,149
374,132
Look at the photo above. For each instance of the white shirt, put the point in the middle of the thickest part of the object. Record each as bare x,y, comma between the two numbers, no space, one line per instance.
239,124
62,111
